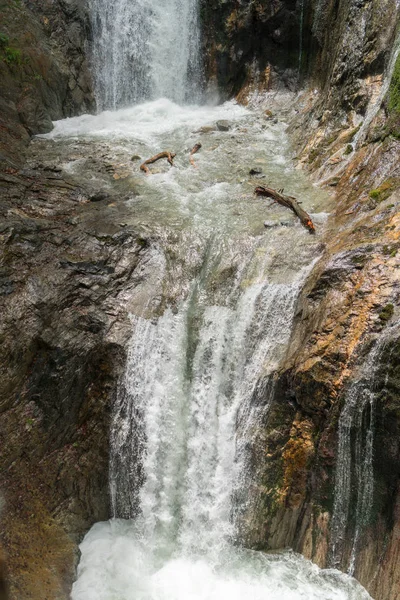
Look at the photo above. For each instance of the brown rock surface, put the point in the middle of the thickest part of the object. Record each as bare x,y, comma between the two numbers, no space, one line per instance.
349,300
43,70
67,268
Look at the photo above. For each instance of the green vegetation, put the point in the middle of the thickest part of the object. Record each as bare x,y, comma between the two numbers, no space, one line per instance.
390,251
313,155
394,90
383,192
4,39
351,135
393,104
349,149
330,139
12,55
386,313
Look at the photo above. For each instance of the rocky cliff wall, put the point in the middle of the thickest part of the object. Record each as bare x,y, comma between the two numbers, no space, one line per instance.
251,45
335,46
44,69
351,300
345,133
68,270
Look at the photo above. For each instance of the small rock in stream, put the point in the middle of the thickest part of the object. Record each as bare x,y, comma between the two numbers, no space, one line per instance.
98,196
255,171
270,224
223,125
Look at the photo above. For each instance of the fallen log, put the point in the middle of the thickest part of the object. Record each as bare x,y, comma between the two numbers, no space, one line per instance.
195,149
289,202
168,155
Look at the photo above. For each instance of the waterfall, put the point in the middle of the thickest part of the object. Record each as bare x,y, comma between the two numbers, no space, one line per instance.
213,300
144,50
191,376
354,478
188,407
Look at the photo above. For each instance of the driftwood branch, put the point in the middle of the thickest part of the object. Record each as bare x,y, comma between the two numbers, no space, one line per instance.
195,149
168,155
289,202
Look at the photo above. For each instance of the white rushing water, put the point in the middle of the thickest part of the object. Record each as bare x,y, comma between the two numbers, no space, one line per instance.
144,50
187,397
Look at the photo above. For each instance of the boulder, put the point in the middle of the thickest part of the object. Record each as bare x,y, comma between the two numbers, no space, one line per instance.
223,125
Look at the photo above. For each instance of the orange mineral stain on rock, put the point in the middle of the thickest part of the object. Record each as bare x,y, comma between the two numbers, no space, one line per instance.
297,454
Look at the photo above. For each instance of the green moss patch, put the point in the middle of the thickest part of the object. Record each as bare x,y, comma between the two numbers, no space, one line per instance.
383,192
393,103
12,56
352,134
394,90
386,313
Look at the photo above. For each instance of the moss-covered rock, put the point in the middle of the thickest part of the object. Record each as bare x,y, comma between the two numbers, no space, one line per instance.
386,313
394,89
386,188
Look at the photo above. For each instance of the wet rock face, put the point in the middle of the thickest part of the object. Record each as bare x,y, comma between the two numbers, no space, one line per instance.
67,271
340,48
362,36
349,303
251,42
43,68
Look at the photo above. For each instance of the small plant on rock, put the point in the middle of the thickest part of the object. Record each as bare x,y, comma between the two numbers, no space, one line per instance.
4,39
386,313
12,56
383,192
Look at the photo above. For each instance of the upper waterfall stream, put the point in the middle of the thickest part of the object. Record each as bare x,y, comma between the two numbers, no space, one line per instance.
212,314
145,50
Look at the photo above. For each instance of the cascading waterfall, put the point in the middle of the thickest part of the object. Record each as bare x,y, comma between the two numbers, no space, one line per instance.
354,479
199,373
144,50
190,376
189,407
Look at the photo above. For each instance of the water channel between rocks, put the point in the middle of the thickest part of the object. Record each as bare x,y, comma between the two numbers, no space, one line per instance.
211,318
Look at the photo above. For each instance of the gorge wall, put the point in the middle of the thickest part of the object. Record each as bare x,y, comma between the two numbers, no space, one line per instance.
43,68
346,134
68,271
